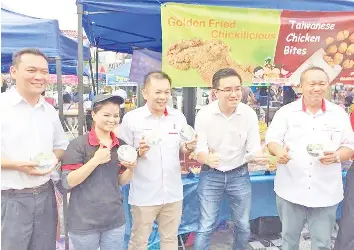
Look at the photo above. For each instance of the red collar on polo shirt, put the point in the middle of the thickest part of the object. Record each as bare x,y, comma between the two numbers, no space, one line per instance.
323,106
165,112
93,140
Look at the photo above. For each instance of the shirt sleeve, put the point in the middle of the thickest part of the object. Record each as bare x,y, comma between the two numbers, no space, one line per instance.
277,129
347,134
73,156
73,159
253,138
183,122
60,139
200,128
125,130
64,179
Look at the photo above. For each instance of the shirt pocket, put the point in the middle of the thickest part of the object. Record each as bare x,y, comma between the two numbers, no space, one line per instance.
46,130
171,141
15,126
236,139
332,136
295,132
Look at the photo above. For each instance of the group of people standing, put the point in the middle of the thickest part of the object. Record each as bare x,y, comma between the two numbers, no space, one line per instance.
308,188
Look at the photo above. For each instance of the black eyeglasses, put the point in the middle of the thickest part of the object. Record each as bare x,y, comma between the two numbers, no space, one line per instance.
230,90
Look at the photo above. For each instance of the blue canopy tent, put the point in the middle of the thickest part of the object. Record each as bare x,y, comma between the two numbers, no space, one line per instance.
20,31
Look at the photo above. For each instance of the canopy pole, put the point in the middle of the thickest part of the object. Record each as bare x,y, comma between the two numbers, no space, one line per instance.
189,104
92,77
139,97
61,116
97,69
80,59
59,88
268,102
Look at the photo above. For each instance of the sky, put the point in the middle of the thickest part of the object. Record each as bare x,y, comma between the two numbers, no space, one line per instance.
62,10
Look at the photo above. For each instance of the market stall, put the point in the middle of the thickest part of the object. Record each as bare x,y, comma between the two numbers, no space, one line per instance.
244,38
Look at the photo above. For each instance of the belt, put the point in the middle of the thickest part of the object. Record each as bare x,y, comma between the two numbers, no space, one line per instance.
208,168
34,190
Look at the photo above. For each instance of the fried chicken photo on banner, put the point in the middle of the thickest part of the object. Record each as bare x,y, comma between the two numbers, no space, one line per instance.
206,57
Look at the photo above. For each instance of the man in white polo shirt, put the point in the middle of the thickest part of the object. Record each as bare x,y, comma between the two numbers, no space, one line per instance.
30,126
308,183
227,129
156,190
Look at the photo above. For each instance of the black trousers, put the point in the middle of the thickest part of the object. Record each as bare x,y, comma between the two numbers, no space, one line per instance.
29,219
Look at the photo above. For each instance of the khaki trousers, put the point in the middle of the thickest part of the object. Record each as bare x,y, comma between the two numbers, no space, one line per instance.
168,218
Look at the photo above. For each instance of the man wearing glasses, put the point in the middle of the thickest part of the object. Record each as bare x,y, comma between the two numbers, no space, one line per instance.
310,138
227,129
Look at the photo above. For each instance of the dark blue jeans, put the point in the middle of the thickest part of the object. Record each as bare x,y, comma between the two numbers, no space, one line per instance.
212,187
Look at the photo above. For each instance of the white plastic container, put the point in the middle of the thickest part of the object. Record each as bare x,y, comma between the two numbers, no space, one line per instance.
127,153
315,150
187,133
45,161
152,137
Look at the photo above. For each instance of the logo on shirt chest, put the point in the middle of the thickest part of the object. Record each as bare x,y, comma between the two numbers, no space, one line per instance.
330,127
173,130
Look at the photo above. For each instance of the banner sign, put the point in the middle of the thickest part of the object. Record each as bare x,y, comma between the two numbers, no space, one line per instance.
144,62
263,46
115,80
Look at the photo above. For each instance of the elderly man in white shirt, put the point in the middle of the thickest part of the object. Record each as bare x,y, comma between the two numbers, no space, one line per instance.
30,126
310,137
156,190
227,129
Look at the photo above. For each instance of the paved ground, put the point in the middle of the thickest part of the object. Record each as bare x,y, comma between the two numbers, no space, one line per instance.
222,240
